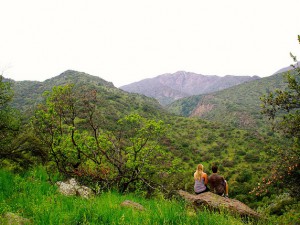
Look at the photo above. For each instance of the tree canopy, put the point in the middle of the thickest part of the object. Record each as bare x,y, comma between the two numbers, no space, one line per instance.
283,108
71,125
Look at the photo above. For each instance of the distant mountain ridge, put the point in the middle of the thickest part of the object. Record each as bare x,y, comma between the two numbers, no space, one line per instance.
167,88
28,94
288,68
238,106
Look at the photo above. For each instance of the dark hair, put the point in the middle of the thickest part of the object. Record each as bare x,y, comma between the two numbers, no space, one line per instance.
214,169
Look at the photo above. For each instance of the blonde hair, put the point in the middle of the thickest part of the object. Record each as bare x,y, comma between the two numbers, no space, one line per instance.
199,172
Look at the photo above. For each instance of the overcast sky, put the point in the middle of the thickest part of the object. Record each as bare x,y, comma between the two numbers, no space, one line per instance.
127,41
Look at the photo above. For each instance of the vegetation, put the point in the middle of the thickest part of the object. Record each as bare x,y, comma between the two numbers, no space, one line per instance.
17,148
71,125
123,145
29,94
31,196
238,106
283,107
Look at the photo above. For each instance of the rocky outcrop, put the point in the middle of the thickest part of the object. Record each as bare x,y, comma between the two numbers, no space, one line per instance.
216,202
71,187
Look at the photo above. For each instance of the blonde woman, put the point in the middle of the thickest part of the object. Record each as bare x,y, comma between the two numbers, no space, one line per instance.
201,180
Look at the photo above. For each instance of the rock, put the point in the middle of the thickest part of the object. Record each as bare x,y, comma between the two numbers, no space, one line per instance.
14,219
134,205
66,188
216,202
71,187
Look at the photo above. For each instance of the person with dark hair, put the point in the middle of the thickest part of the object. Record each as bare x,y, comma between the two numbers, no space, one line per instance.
217,183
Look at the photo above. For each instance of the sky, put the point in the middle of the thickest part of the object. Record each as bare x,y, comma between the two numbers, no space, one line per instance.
127,41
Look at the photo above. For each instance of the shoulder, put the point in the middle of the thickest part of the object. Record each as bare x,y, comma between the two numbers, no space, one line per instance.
215,176
212,175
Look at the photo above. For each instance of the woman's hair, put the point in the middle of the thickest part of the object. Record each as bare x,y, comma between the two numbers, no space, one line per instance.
199,171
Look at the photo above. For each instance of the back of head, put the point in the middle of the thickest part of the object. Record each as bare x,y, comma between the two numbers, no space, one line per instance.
199,171
214,169
200,167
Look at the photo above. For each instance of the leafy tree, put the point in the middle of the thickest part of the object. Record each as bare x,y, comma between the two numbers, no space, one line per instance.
283,107
72,124
9,120
17,145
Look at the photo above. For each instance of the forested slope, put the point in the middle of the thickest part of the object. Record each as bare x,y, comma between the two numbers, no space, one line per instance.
28,94
189,141
238,106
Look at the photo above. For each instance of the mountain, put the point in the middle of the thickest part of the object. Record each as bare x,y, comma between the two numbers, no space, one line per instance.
169,87
288,68
28,94
238,105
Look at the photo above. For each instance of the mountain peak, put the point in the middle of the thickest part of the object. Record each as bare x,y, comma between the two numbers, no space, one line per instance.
169,87
73,76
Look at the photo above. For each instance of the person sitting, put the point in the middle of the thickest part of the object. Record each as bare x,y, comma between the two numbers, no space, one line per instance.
217,183
201,180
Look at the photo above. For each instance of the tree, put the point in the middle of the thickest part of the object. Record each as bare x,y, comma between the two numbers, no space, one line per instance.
72,124
282,107
9,120
16,145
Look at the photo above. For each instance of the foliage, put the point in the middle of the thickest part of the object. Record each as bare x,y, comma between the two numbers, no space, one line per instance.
16,148
31,196
237,106
282,106
119,119
28,94
71,124
6,92
280,209
9,119
285,105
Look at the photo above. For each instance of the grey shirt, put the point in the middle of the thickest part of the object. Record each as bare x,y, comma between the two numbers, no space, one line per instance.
199,185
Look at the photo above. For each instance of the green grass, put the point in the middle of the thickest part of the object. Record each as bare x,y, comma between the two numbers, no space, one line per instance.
30,195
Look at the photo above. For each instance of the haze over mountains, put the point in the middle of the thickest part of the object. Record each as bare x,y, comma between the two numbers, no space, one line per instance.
169,87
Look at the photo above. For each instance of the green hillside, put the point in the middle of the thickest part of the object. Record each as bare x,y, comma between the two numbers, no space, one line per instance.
243,156
28,94
189,140
238,106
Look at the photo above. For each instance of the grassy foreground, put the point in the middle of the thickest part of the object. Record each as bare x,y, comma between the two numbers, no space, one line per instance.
30,195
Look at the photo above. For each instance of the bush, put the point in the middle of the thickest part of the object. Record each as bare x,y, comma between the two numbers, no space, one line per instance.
250,157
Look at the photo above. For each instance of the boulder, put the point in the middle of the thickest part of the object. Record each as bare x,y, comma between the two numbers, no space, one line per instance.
216,202
71,187
134,205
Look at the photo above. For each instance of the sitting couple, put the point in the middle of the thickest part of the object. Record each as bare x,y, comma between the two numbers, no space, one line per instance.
217,184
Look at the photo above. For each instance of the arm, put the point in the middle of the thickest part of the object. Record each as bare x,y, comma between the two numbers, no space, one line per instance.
205,178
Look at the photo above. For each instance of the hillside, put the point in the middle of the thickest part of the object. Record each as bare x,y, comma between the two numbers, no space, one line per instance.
28,94
238,105
242,155
169,87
